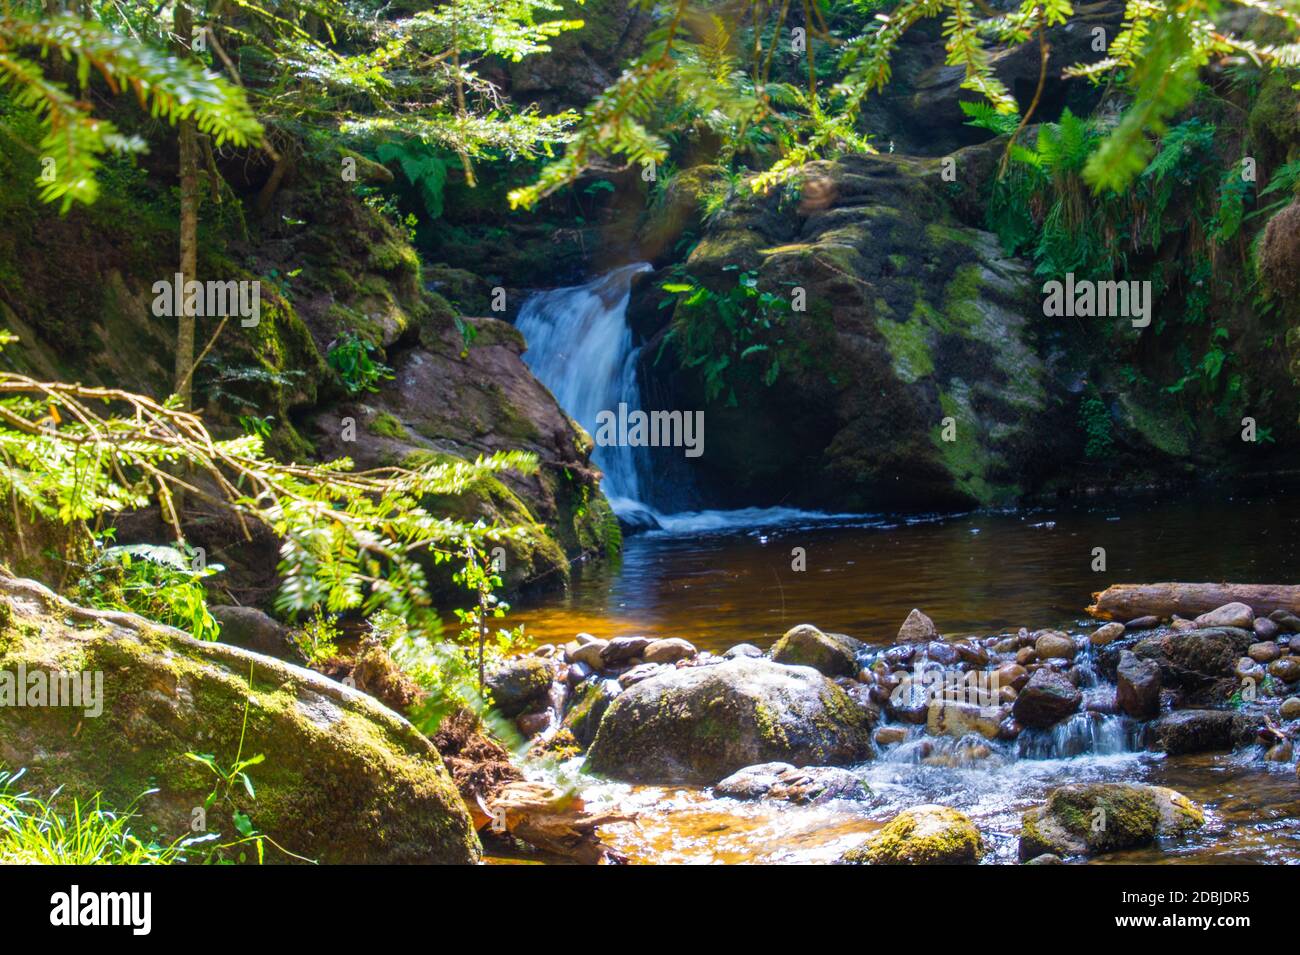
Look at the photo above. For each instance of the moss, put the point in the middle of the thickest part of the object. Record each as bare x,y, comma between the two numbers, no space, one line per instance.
927,835
909,347
387,426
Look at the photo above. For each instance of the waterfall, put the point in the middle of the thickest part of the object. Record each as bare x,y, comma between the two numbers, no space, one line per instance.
580,347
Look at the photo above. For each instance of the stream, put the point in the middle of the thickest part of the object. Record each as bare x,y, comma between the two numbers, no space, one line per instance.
719,578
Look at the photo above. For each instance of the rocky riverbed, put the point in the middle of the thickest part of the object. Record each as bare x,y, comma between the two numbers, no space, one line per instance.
1038,746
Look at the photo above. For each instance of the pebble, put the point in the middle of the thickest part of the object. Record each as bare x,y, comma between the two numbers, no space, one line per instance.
1108,633
1265,652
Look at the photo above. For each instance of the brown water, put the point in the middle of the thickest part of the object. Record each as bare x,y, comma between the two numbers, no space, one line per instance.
978,573
981,572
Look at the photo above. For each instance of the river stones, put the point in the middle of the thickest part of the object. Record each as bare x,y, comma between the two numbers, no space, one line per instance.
1046,699
1229,615
1286,668
642,671
889,735
742,650
588,653
1137,687
958,719
1198,662
345,780
1264,652
1287,621
1012,675
1106,634
1265,628
1200,731
519,685
700,724
669,650
811,784
1054,645
832,654
917,628
924,835
1092,818
1290,708
622,649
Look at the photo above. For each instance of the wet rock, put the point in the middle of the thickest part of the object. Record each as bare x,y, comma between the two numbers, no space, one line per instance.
577,672
1286,620
1265,628
1012,675
1291,708
254,630
908,703
1280,752
623,649
520,685
746,650
1106,634
1247,668
1199,731
1007,694
956,719
811,784
1142,623
1009,729
889,735
1229,615
700,724
589,654
917,628
669,650
1092,818
1046,699
1053,644
1286,668
1198,662
972,653
1137,691
1007,645
925,835
832,654
1047,858
638,673
590,701
1026,656
1265,652
530,724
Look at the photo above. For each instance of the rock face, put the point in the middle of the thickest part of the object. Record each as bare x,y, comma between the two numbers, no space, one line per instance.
1047,699
1092,818
1138,686
830,653
1199,731
911,318
925,835
344,780
700,724
520,685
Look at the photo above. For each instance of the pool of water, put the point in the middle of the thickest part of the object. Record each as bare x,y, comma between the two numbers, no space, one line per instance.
722,579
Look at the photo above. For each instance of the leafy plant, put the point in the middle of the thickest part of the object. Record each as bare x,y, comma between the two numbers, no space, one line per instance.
317,638
353,358
423,168
160,583
1094,418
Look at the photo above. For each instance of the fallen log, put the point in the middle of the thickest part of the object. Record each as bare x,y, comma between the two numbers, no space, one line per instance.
553,820
1124,602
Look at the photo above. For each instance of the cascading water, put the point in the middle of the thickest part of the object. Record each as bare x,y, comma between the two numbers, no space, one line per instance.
579,346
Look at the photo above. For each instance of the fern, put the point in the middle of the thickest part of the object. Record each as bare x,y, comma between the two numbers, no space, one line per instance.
423,168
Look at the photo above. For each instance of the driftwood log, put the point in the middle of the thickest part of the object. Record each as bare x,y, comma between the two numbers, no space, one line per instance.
553,820
1124,602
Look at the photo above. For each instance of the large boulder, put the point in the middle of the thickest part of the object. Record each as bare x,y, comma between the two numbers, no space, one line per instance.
1200,731
590,701
1047,698
700,724
833,654
1091,818
1199,662
343,780
925,835
520,685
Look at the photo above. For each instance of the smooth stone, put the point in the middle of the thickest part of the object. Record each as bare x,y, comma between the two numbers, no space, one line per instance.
1265,628
624,649
669,650
1106,634
1287,620
1052,644
832,654
1026,656
1286,669
1229,615
1012,675
889,735
590,654
1265,652
1291,708
742,651
1142,623
972,653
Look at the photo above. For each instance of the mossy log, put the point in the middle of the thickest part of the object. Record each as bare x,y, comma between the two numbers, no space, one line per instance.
1125,602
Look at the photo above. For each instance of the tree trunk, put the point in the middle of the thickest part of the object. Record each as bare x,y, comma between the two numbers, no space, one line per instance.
189,222
1125,602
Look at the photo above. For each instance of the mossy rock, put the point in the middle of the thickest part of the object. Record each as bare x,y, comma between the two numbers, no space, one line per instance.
925,835
1085,819
344,779
830,653
700,724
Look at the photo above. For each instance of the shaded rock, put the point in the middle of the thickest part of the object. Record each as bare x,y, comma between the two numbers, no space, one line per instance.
1286,620
917,628
1137,690
925,835
1047,858
1142,623
700,724
669,651
530,724
1290,708
520,685
811,784
621,649
1287,669
1199,731
638,673
1092,818
742,650
1199,662
1229,615
1046,699
590,701
1265,652
1265,628
254,630
830,653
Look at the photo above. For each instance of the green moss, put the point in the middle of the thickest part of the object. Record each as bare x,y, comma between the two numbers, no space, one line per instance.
387,426
928,835
909,347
